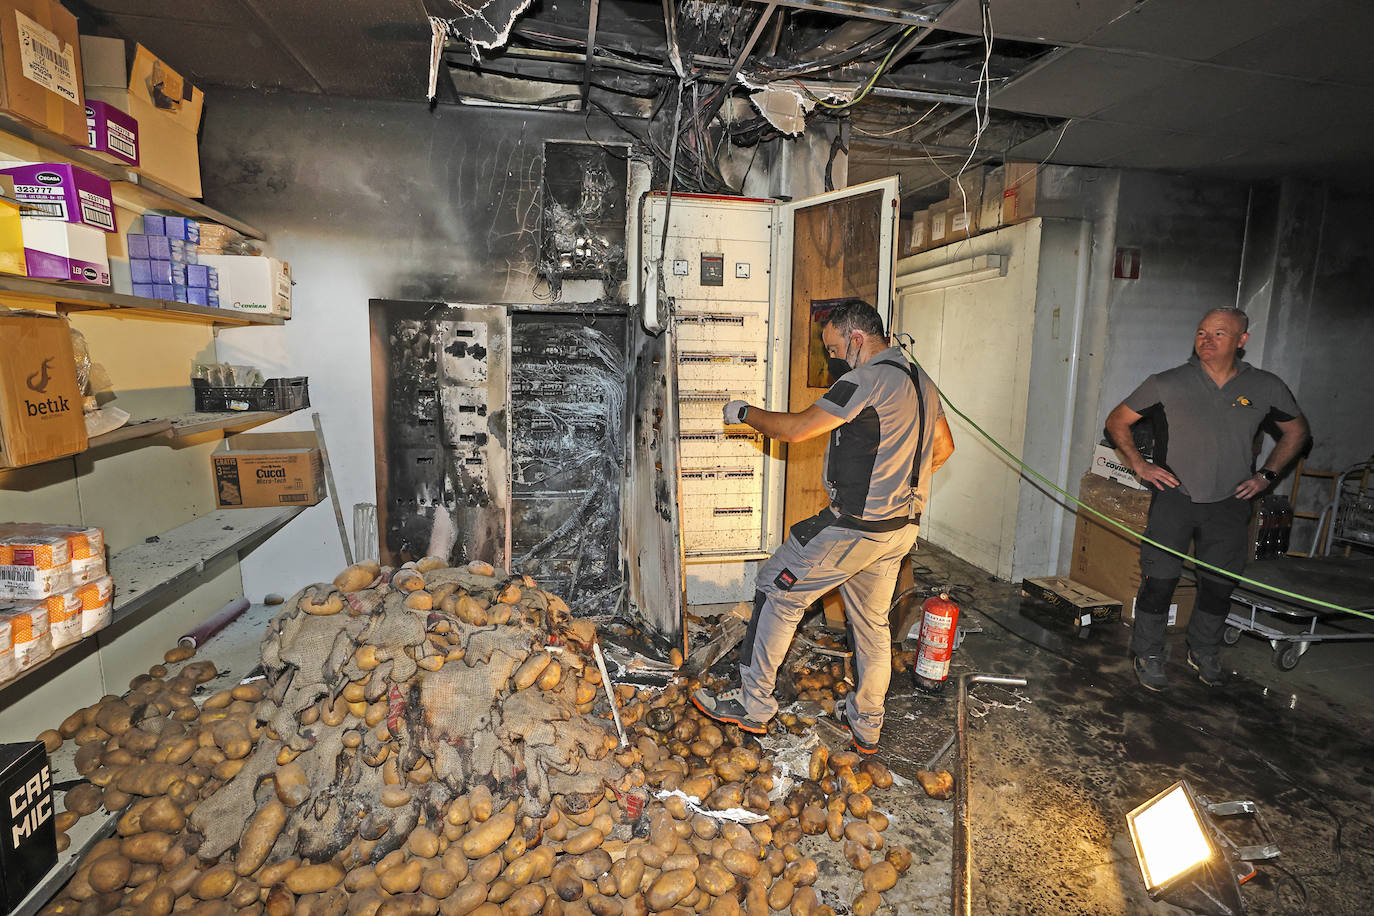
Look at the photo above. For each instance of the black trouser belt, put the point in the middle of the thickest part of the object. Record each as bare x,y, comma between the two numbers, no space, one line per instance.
887,524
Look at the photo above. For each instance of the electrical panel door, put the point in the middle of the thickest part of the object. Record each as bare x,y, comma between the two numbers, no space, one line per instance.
717,260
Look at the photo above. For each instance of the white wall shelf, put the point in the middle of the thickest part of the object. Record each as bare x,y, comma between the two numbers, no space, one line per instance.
72,298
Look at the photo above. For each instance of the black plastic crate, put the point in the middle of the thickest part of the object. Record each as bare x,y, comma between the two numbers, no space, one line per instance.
277,394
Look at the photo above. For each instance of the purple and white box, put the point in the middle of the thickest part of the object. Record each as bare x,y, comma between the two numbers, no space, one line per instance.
140,271
64,251
198,295
112,132
137,245
159,247
154,224
144,289
198,275
163,291
181,227
64,192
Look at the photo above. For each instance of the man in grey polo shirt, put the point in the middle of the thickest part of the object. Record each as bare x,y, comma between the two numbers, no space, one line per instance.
1205,414
888,435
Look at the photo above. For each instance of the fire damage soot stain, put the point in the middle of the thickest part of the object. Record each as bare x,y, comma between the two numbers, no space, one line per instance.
461,348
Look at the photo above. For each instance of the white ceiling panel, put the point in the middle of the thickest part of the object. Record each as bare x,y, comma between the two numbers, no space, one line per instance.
1197,29
1076,83
1051,21
1333,43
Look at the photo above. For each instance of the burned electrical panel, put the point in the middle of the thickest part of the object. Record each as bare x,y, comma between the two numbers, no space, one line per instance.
567,453
582,229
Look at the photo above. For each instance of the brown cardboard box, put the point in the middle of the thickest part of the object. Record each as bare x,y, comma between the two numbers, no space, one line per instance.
939,225
1106,558
919,240
255,470
40,398
994,183
168,109
40,67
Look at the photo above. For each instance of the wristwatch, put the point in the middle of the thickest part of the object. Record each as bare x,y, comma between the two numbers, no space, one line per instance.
1267,474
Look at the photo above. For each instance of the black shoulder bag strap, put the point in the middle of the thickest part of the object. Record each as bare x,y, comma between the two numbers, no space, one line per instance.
913,373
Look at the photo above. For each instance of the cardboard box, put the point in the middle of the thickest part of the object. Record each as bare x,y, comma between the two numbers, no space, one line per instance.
104,63
939,225
963,223
40,399
168,109
40,67
1108,463
29,848
1032,190
268,469
1107,559
65,251
920,232
110,133
64,192
994,183
1078,602
252,284
12,259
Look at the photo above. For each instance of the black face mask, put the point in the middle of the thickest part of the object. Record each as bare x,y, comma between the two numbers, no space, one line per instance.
837,366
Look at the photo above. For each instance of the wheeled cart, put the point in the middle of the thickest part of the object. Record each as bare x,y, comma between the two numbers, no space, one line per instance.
1345,581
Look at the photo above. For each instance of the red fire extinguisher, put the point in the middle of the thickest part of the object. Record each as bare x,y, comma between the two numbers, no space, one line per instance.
939,618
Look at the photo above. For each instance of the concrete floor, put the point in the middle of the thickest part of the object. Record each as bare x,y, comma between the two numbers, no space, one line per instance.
1059,763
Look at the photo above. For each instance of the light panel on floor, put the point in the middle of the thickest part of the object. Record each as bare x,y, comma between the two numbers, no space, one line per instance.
1169,836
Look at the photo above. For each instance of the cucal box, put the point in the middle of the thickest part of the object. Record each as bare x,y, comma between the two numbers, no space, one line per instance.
63,192
40,398
268,469
111,133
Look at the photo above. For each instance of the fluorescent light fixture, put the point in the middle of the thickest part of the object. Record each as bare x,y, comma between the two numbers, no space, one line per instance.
955,273
1169,836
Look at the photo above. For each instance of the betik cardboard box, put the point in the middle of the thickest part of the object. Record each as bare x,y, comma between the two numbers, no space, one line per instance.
167,108
1106,558
249,283
63,192
110,133
40,398
40,67
258,470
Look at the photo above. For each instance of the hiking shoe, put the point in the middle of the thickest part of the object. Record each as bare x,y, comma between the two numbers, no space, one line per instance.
863,747
1208,668
728,707
1150,670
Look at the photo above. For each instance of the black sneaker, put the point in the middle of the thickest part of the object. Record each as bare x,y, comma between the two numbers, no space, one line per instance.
1150,670
863,747
1208,668
728,707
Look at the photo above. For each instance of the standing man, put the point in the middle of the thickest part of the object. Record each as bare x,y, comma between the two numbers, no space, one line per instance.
1205,414
889,435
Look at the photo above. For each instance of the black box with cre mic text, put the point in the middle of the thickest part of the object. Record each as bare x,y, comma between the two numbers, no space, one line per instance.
29,848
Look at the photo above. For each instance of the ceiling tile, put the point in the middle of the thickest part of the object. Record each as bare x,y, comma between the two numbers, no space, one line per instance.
216,55
1195,30
1077,83
1050,21
154,12
1079,143
1198,100
1330,44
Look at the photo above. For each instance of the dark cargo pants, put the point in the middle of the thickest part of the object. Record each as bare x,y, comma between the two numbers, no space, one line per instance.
1218,533
864,566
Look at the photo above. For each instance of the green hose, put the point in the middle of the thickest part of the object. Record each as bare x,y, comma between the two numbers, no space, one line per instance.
1306,599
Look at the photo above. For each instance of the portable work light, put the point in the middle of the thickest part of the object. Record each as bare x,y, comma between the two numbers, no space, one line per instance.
1187,859
1169,836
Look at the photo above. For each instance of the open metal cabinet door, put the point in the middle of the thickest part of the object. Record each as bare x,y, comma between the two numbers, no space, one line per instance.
831,246
653,516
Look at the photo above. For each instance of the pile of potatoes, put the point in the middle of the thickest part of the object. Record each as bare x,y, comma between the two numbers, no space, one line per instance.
184,775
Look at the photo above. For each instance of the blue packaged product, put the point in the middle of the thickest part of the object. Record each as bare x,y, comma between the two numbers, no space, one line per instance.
159,247
163,291
198,295
154,224
176,250
213,277
212,297
178,273
160,271
144,289
138,245
179,292
140,270
197,275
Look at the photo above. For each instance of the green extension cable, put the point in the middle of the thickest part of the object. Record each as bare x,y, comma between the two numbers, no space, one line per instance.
1307,599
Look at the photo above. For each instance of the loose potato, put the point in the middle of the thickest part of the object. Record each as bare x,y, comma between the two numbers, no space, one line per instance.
51,738
258,837
529,670
527,901
82,799
879,877
583,840
899,857
215,883
669,888
109,872
805,902
487,836
292,785
149,848
867,904
480,803
714,878
819,758
178,654
860,805
403,879
857,855
314,879
863,834
937,783
780,894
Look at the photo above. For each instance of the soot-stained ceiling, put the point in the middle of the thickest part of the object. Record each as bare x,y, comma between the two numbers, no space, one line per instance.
1234,88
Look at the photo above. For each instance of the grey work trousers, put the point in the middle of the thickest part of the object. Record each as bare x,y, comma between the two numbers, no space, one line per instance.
864,566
